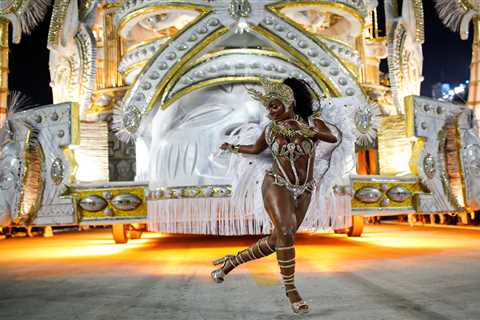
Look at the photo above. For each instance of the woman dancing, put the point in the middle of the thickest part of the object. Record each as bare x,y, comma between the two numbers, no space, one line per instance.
291,136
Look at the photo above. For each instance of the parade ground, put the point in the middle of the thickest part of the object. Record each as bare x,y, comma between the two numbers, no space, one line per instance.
391,272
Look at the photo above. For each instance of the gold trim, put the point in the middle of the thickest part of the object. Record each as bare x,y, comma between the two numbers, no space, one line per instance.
417,150
202,10
15,7
107,6
133,67
222,52
465,4
59,13
274,9
140,211
226,52
353,68
94,109
302,58
420,21
413,187
145,43
341,6
376,40
73,164
155,56
75,124
178,67
410,115
109,90
340,42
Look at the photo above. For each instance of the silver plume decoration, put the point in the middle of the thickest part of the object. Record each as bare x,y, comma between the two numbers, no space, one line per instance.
118,125
19,101
33,15
451,12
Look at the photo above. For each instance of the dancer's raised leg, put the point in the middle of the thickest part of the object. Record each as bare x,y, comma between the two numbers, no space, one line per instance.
262,248
281,208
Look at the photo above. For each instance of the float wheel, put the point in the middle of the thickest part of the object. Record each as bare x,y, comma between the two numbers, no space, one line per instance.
356,229
120,233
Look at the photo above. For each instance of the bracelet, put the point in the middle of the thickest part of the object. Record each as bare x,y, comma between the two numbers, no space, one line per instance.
235,148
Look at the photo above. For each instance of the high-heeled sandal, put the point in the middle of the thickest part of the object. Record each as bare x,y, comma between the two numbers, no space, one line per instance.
218,275
300,307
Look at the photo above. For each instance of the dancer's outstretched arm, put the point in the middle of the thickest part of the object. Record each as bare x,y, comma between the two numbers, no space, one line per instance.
259,146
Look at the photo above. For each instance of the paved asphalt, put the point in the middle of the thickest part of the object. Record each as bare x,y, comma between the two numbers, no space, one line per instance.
392,272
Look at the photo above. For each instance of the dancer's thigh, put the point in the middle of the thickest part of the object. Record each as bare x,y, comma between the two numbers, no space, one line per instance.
279,205
303,202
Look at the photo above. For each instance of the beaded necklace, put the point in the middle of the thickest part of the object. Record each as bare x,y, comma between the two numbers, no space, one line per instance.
304,131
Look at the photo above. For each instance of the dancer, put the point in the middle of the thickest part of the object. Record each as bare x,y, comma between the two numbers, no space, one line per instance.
291,136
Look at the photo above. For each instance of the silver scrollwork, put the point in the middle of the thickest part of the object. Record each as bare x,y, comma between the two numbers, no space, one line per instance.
429,166
399,194
367,121
239,9
363,120
56,171
126,202
368,195
472,153
131,119
93,203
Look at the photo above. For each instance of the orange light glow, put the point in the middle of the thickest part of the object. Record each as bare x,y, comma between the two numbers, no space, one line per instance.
394,241
94,253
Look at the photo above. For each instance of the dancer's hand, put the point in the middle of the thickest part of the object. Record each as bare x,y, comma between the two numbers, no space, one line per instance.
225,146
235,148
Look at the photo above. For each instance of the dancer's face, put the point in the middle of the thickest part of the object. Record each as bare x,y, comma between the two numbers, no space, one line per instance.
276,110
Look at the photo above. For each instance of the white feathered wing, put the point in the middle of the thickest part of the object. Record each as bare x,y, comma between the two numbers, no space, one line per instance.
334,162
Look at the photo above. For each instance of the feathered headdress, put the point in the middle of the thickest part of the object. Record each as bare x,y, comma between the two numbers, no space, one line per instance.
273,90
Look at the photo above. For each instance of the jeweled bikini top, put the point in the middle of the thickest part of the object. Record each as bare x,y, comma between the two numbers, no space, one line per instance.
293,151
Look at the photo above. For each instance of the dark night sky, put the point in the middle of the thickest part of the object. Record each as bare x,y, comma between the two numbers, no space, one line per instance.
446,58
28,63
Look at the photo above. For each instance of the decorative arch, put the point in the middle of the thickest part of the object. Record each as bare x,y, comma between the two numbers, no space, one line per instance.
158,82
236,66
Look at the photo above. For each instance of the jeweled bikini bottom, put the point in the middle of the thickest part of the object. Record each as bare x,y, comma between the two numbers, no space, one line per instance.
295,190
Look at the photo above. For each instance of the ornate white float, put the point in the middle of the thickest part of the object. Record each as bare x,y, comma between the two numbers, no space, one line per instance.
173,76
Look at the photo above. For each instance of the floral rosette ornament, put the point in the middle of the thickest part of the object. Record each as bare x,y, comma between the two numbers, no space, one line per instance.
367,121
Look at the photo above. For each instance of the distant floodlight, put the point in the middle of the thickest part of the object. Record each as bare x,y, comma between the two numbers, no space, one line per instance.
459,89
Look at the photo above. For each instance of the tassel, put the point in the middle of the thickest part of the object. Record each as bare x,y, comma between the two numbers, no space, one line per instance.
220,216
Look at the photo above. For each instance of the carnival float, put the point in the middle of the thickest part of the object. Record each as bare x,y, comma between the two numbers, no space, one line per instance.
145,91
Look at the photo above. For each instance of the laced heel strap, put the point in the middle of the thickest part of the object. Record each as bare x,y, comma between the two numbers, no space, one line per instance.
223,260
285,248
263,247
270,249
